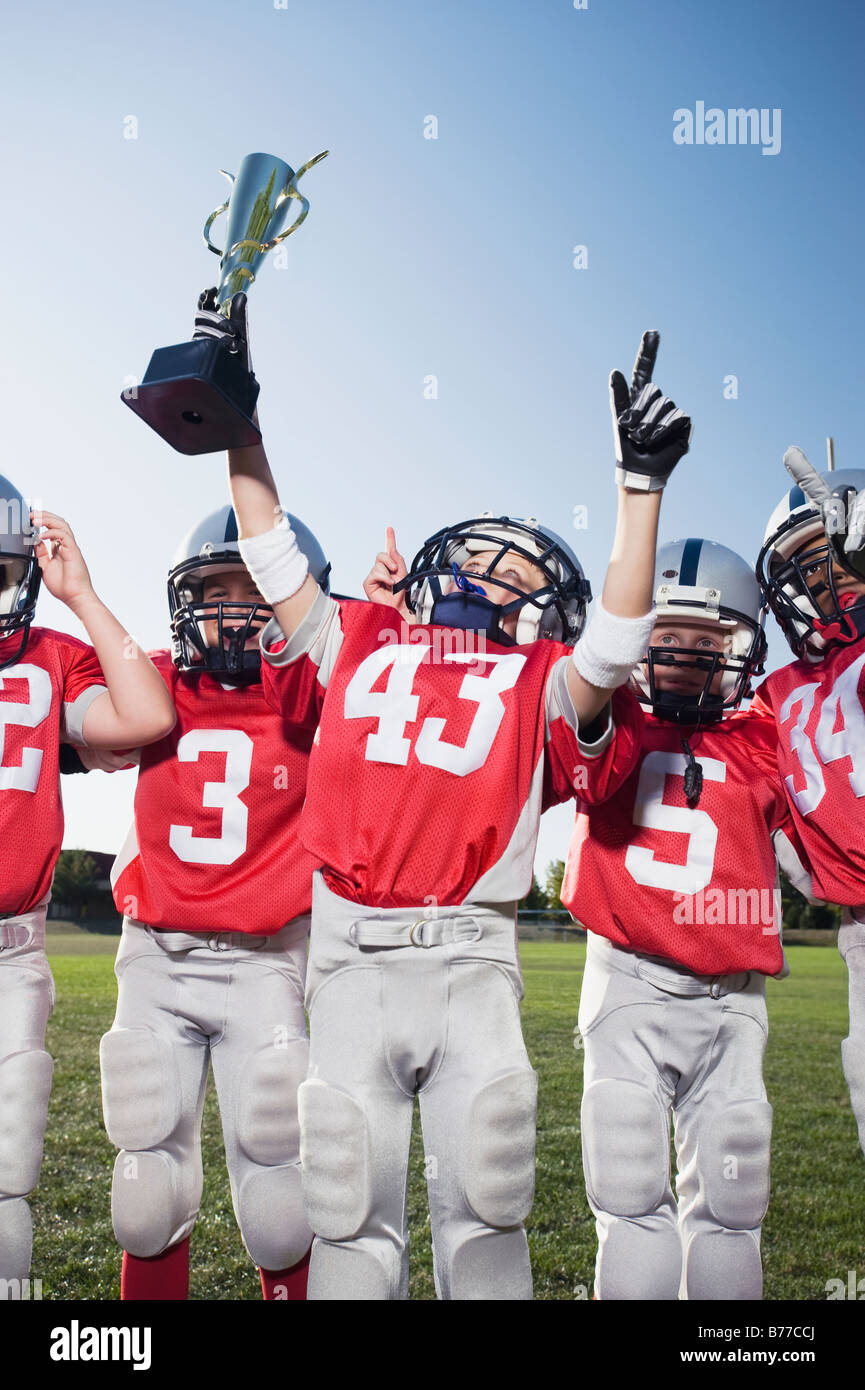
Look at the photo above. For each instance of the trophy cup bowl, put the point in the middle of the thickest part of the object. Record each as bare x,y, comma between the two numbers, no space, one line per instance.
200,396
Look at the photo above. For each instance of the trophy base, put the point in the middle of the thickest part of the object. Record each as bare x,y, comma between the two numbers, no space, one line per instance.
199,397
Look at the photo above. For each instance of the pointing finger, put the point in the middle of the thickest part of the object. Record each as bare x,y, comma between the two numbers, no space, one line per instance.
803,472
645,363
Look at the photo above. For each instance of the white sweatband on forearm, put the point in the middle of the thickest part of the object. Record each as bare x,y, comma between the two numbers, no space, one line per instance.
610,648
276,563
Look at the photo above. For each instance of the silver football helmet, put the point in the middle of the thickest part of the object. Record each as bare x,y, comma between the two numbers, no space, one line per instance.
20,575
439,590
795,548
212,547
701,581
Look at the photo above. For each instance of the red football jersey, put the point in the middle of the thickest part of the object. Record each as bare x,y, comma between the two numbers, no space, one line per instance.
819,709
435,753
43,700
215,844
695,885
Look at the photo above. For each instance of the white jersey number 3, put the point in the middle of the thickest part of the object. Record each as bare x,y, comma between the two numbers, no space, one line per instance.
652,811
829,744
397,705
225,796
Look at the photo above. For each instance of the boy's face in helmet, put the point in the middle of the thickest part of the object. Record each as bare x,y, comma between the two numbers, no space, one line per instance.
693,635
813,557
232,586
515,570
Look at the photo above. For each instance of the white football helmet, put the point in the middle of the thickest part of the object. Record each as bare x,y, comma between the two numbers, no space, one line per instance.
212,546
700,580
439,590
783,573
20,575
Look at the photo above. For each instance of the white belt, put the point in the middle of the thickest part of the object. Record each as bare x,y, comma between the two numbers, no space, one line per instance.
428,931
13,935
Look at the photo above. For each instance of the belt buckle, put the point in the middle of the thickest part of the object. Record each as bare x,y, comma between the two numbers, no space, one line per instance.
414,939
218,942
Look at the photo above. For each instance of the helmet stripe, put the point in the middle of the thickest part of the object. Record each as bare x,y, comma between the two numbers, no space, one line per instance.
231,527
690,562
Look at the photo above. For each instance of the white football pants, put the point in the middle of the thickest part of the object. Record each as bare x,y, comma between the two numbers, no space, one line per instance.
186,1000
851,944
404,1003
660,1040
26,1001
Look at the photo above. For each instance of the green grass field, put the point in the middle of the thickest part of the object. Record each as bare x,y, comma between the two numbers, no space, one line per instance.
815,1229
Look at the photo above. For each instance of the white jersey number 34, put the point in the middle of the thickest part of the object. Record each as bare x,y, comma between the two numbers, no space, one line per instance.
828,743
397,705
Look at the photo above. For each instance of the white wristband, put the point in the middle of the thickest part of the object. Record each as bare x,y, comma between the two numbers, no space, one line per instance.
276,563
610,647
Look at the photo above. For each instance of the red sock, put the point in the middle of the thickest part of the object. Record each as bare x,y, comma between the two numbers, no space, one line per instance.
287,1285
159,1279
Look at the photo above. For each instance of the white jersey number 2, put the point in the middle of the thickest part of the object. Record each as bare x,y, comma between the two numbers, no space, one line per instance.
397,705
225,796
652,811
24,778
829,744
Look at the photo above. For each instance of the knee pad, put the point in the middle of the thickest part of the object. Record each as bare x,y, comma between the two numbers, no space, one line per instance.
267,1125
626,1147
723,1265
490,1265
351,1273
638,1259
16,1238
140,1088
25,1085
149,1211
853,1062
271,1217
734,1164
500,1154
334,1155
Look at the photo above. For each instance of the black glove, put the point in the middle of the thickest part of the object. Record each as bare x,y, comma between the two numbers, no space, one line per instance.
231,330
842,510
649,432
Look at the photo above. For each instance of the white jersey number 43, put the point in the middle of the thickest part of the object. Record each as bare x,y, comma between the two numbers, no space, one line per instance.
397,705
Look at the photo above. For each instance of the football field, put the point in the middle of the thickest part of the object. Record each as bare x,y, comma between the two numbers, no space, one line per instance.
814,1232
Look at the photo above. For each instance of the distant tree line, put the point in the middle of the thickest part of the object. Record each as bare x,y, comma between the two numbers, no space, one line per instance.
798,912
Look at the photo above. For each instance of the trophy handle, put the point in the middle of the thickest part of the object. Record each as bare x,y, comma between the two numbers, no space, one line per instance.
292,192
217,213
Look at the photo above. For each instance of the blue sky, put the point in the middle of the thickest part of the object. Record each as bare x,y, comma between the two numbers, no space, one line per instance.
450,257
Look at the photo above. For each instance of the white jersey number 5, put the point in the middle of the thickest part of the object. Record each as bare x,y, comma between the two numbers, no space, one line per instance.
652,811
225,796
397,705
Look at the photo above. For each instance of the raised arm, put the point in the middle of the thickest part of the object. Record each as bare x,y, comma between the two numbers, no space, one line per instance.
267,543
136,707
650,435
